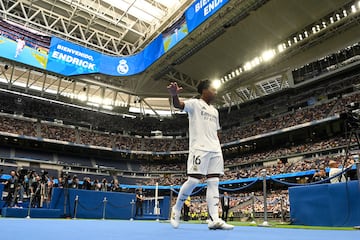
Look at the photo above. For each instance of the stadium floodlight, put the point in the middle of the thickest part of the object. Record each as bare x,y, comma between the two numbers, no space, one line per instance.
353,9
281,47
82,97
247,66
306,34
92,104
37,88
331,20
216,84
345,13
107,107
50,91
268,55
96,99
256,61
107,101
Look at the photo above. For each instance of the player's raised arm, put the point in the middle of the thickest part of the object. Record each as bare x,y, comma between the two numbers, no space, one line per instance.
174,89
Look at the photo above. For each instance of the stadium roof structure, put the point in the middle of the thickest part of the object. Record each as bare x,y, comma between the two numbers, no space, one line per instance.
250,46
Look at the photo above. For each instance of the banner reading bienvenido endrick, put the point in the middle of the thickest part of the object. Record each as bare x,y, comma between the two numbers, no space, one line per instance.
70,59
201,10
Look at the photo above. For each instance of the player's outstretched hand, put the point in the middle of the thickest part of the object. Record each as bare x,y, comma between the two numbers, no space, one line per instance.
174,89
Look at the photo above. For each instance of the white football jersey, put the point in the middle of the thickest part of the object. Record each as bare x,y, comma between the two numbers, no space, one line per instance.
20,43
203,126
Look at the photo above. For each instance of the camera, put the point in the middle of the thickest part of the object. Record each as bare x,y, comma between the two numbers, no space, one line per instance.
44,177
22,173
66,177
352,115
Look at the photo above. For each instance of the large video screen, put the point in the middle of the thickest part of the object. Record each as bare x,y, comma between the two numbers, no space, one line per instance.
23,46
174,34
63,57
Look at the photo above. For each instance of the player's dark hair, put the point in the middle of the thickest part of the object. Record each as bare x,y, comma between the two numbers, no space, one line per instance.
204,84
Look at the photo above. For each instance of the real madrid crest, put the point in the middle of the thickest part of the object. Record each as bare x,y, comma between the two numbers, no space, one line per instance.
122,68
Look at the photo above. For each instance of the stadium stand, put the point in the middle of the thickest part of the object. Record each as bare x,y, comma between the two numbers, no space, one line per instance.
290,134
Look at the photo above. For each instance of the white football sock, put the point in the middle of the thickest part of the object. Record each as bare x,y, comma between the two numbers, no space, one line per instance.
212,198
185,191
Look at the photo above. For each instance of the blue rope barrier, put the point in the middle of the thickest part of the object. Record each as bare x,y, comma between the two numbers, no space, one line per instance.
312,183
193,193
239,188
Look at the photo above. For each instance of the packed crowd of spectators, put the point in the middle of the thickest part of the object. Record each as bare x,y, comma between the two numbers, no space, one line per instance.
287,151
277,204
251,164
75,134
291,107
118,140
327,63
17,126
299,116
241,205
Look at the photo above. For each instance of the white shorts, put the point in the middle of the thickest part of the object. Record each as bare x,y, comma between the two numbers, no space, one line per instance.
205,163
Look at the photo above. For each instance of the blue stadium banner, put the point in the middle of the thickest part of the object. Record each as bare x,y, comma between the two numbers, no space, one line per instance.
71,59
130,65
201,10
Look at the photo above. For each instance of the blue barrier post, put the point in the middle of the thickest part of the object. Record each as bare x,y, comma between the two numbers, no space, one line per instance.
132,209
253,208
265,223
76,206
104,209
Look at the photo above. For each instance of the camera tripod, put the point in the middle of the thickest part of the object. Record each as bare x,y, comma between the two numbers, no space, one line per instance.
349,135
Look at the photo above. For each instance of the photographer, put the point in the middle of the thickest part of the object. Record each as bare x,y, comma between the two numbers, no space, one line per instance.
49,188
64,180
139,202
115,186
74,182
44,187
35,191
11,186
335,170
104,184
22,175
86,184
319,175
